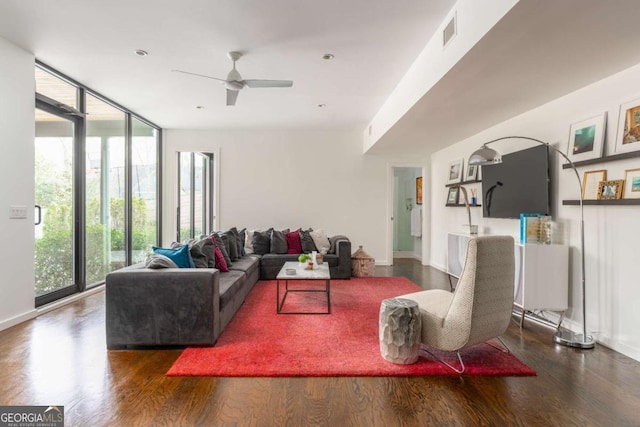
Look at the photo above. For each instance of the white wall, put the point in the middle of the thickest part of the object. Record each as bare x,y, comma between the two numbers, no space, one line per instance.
290,179
17,87
474,20
612,232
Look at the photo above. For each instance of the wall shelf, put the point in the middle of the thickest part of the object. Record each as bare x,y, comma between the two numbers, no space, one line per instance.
623,202
604,159
460,205
464,183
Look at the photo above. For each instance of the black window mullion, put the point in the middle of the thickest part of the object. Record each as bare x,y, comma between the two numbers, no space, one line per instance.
128,190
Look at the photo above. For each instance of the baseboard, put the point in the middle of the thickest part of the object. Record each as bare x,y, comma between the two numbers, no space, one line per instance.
407,254
6,324
68,300
32,314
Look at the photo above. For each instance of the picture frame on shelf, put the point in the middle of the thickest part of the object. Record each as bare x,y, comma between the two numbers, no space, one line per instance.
590,183
586,138
452,196
419,190
455,171
631,184
610,190
472,173
628,136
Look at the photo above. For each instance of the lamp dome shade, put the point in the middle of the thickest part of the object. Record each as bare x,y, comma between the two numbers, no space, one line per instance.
485,156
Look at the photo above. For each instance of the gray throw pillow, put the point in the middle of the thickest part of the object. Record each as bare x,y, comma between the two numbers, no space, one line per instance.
262,242
205,248
307,242
234,244
219,241
279,241
157,261
241,236
230,244
333,241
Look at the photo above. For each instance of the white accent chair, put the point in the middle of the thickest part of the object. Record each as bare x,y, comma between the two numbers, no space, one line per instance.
480,307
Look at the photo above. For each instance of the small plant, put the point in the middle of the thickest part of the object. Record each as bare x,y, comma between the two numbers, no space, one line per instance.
304,257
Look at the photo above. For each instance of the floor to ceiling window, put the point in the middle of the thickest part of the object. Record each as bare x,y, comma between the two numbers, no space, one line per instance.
104,189
97,186
195,194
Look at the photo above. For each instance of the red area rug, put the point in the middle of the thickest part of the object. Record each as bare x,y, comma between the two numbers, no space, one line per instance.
260,343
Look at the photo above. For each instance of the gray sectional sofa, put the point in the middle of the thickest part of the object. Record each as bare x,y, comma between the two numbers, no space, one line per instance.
190,306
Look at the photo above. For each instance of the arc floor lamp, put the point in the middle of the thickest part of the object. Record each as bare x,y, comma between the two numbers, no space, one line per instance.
489,156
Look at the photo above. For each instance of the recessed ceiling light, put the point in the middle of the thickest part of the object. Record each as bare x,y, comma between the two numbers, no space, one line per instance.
327,56
141,52
322,105
200,107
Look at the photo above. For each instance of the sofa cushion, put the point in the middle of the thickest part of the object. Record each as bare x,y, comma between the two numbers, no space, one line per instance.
334,242
241,237
306,241
248,242
294,245
231,244
262,242
321,241
157,261
219,241
247,264
180,255
279,242
230,284
220,262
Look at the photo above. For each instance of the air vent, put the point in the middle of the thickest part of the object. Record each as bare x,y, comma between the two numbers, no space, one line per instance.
449,31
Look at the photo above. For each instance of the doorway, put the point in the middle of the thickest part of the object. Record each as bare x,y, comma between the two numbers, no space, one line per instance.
407,214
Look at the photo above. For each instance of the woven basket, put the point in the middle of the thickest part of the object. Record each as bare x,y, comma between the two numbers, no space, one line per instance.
362,264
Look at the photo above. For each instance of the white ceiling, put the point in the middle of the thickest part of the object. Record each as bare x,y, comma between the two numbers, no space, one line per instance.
374,43
540,50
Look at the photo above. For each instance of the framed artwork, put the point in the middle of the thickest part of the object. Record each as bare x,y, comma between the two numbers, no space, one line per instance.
452,197
419,190
455,171
586,138
472,173
610,189
628,138
631,184
591,182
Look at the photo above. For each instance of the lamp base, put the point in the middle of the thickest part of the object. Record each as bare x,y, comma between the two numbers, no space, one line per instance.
571,339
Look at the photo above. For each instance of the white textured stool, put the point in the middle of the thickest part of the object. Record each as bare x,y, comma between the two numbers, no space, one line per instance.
400,330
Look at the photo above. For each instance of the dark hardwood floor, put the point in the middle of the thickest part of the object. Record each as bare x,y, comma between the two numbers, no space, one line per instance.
60,358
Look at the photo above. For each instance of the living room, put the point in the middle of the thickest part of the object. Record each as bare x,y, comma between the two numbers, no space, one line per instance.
338,178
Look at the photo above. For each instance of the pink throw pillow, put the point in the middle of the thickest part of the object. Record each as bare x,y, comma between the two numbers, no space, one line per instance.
294,243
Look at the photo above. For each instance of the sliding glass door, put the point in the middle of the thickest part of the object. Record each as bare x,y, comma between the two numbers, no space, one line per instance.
55,250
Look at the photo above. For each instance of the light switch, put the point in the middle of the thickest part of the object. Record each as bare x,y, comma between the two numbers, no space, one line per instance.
17,212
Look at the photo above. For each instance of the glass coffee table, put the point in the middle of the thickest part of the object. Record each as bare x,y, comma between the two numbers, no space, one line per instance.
319,272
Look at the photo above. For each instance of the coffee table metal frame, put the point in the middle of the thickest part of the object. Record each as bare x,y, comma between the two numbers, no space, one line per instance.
319,272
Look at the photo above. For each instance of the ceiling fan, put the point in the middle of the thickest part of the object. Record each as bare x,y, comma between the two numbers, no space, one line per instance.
234,82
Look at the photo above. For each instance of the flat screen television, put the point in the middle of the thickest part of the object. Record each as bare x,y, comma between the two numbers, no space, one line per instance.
520,184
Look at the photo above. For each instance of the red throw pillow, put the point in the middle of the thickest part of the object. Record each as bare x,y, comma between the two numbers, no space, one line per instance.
221,264
294,243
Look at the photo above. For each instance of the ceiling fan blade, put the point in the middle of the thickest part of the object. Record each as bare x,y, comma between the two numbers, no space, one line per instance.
232,95
199,75
268,83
